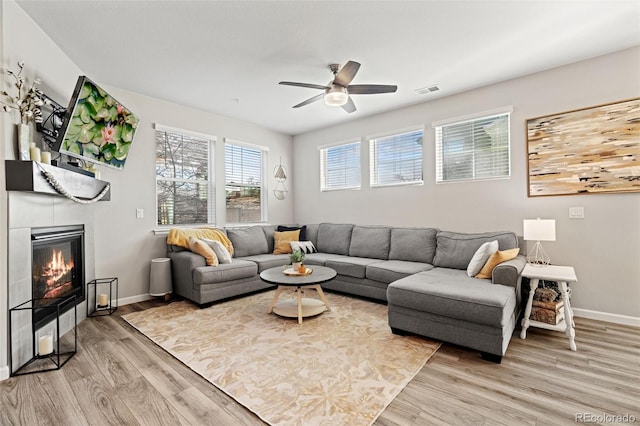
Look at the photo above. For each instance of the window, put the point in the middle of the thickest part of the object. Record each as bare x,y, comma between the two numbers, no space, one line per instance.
340,167
474,149
396,159
244,179
183,193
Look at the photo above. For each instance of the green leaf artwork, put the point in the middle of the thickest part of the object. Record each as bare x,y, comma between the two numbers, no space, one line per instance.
100,129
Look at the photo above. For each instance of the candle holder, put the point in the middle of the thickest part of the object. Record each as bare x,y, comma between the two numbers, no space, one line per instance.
46,350
105,301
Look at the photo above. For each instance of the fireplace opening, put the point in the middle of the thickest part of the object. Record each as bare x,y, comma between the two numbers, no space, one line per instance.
57,269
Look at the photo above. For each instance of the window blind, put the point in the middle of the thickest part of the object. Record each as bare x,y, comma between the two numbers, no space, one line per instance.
340,167
473,149
396,159
183,192
244,183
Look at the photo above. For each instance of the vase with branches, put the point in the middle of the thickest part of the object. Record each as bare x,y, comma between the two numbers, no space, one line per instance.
27,100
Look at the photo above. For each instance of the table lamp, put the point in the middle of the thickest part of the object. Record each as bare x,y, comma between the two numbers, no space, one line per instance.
539,230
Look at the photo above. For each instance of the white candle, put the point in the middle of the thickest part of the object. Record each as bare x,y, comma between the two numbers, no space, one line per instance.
103,300
34,153
45,345
45,156
32,144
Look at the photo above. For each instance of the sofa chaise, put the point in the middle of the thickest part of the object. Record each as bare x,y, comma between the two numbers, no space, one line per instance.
421,273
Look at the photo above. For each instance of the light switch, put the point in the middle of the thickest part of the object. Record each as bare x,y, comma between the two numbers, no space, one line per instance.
139,213
576,212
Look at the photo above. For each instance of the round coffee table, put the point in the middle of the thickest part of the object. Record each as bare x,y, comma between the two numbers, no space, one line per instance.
300,307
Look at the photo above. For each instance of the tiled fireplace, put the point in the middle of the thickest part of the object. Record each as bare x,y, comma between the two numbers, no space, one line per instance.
44,242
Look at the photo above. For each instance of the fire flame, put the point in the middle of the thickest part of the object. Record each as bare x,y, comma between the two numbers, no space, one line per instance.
56,268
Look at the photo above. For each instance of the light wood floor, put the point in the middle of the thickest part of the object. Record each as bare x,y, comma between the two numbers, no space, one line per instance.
120,377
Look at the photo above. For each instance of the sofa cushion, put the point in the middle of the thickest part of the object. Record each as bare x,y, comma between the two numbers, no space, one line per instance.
248,241
302,229
268,234
320,258
389,271
455,249
304,246
200,247
238,269
220,250
451,293
413,244
495,259
312,233
266,261
370,241
480,257
334,238
282,240
349,266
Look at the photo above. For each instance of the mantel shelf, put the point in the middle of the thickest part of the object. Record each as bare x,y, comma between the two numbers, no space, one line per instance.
26,176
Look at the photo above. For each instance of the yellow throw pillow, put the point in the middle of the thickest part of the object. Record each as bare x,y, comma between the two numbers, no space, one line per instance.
282,239
204,250
495,259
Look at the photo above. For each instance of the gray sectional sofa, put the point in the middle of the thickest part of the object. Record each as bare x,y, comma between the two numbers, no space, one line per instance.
419,272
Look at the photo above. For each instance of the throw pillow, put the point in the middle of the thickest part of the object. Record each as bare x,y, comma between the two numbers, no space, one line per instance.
200,247
481,256
220,250
303,230
305,246
282,240
494,260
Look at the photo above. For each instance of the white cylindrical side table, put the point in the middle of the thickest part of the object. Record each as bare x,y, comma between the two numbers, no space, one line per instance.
160,278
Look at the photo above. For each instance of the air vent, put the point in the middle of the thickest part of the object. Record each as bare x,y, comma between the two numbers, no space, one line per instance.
428,89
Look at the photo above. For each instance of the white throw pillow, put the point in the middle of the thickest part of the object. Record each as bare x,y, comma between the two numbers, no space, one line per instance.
305,246
220,250
480,257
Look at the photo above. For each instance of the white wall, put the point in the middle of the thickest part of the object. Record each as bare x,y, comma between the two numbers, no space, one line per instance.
124,245
604,247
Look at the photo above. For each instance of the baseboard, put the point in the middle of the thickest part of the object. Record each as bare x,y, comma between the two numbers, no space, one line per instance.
605,316
4,373
134,299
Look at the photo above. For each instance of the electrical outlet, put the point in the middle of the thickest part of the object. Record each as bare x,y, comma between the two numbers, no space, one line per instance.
576,212
139,213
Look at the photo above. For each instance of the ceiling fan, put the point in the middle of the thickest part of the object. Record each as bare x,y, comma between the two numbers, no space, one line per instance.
337,91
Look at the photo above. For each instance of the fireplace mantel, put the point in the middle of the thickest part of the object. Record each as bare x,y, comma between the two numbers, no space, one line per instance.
26,176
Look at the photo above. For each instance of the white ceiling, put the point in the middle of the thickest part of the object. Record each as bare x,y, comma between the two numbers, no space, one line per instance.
227,57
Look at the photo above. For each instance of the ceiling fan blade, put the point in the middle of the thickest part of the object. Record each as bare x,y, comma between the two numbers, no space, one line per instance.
346,74
310,100
349,106
366,89
308,85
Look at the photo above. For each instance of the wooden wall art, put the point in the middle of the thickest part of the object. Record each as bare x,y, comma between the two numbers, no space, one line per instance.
585,151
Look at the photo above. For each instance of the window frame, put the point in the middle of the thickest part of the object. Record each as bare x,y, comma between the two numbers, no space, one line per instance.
324,162
210,181
438,142
373,149
264,151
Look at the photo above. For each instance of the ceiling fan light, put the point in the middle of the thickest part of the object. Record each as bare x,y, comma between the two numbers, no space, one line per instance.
336,96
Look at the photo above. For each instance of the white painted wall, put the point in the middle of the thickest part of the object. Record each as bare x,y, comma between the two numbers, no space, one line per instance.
124,245
604,247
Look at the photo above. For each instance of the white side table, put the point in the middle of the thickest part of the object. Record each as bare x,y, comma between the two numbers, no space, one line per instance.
562,275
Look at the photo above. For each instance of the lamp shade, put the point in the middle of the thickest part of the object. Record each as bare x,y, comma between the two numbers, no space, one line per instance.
336,96
539,229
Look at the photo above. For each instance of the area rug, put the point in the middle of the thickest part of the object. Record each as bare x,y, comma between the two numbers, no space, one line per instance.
340,368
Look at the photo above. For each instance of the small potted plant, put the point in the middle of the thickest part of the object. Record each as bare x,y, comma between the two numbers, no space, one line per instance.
296,257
